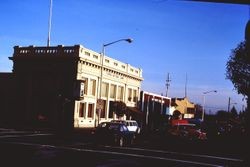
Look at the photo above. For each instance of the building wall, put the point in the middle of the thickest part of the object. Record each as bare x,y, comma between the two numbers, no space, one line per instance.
45,80
115,76
59,86
7,99
155,108
184,106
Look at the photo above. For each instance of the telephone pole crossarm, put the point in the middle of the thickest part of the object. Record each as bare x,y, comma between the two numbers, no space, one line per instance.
168,80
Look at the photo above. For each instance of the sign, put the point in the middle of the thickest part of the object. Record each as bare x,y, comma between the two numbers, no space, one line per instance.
100,104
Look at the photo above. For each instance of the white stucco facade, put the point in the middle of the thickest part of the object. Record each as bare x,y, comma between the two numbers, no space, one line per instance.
120,82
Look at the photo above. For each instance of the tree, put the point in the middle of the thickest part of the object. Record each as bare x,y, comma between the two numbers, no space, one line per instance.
234,112
198,111
238,69
119,108
176,114
222,115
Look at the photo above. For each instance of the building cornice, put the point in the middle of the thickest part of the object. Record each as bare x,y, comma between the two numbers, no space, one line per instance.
81,53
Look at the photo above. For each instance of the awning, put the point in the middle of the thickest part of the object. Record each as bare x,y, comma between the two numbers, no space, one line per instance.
135,114
135,110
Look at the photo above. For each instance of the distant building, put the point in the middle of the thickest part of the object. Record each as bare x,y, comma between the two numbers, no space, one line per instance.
156,109
58,87
184,106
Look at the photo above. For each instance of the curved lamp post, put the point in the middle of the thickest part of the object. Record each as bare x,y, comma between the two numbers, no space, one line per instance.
129,40
203,108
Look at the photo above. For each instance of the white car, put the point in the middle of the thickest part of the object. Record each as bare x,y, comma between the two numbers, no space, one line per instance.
132,125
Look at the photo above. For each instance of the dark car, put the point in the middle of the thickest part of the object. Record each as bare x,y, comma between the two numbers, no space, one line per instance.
132,125
113,133
187,131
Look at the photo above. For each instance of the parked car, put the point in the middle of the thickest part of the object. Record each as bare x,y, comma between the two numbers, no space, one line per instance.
131,124
113,133
187,131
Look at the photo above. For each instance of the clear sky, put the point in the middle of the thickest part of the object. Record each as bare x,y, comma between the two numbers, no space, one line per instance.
192,39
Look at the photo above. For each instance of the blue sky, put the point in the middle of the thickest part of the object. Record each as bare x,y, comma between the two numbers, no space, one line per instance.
177,37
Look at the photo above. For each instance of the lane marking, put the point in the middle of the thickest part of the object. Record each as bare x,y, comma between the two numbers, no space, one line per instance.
177,153
29,135
136,149
5,129
115,153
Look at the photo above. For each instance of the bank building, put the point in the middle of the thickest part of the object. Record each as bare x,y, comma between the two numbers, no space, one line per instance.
70,86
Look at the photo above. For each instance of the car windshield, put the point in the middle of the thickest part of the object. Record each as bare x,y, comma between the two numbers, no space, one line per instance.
117,127
114,127
124,128
134,124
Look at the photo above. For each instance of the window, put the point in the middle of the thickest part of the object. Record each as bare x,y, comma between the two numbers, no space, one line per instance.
104,90
120,93
129,94
95,56
102,114
90,110
81,110
134,95
112,91
106,60
116,64
87,53
92,87
86,86
111,108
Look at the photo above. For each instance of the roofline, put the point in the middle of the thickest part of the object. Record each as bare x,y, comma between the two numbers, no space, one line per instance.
153,94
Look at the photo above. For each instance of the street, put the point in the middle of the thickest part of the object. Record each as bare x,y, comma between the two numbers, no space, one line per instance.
41,148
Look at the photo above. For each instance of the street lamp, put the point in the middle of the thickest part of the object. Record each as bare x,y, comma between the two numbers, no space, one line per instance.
203,108
129,40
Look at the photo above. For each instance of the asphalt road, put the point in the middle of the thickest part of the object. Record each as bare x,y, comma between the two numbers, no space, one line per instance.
36,148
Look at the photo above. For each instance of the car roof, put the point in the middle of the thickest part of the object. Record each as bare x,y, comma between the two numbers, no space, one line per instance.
117,121
130,120
112,123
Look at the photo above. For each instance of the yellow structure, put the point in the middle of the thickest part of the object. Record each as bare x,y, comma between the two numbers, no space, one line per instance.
184,106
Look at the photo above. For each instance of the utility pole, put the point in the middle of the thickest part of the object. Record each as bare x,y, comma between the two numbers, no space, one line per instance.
229,102
167,84
186,86
50,18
